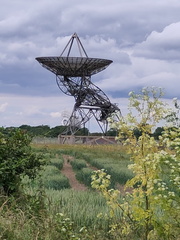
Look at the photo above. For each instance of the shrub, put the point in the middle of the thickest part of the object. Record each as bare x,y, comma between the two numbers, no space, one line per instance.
17,159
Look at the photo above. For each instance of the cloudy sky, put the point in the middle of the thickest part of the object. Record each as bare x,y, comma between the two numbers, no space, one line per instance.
142,37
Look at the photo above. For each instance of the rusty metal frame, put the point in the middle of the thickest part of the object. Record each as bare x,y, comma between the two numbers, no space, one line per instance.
73,77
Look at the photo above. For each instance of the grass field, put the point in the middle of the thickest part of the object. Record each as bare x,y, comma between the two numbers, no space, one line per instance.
111,158
82,206
53,209
51,194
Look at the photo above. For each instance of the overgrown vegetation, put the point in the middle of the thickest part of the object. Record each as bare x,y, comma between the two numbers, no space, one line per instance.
44,209
17,160
46,131
152,210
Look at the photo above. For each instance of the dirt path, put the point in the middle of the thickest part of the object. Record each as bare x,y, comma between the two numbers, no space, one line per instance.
69,173
75,184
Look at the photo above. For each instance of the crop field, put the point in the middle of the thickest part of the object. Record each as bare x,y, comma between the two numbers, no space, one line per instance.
83,160
60,201
67,179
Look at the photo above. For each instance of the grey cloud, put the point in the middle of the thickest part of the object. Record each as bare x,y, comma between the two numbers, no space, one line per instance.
166,80
136,35
32,110
163,45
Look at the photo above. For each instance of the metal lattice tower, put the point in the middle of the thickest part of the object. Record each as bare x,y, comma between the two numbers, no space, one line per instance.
73,77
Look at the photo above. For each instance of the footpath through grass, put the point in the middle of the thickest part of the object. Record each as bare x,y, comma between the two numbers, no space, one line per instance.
49,195
82,207
112,158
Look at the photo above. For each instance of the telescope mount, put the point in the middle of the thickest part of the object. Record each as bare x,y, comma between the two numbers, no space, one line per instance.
73,77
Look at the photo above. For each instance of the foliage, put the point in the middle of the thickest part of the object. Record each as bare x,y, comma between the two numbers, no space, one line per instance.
64,214
46,131
112,132
69,214
56,182
35,130
158,132
55,131
17,159
19,224
82,207
82,132
152,210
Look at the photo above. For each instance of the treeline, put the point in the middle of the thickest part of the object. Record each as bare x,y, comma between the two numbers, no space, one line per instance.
47,131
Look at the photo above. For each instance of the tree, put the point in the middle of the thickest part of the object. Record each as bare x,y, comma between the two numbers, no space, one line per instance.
158,132
17,159
55,131
112,132
82,132
137,133
41,130
152,210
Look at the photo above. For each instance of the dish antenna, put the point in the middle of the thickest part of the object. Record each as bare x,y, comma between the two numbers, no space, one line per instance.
73,77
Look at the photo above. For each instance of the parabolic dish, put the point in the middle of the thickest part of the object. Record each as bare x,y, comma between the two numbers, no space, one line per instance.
74,66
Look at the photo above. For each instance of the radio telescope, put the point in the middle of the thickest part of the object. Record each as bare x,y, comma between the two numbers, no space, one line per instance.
73,77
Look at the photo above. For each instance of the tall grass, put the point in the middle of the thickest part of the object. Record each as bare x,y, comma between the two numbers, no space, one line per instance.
84,176
51,178
82,207
114,151
57,162
56,182
117,168
78,164
113,158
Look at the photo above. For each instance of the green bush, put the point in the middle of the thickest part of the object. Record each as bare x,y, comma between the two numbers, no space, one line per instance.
17,159
151,210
